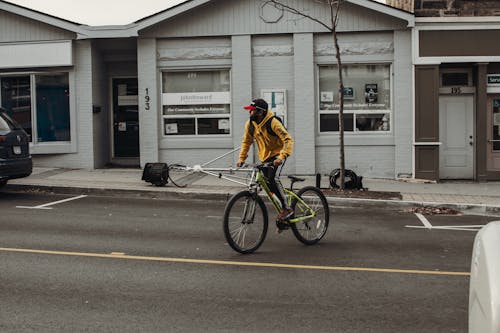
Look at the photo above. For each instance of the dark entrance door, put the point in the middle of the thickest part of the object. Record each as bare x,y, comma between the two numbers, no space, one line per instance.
125,118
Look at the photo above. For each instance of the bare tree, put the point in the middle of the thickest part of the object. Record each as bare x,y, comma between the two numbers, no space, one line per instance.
334,10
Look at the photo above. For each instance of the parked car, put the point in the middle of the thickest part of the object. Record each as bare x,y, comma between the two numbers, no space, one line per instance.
15,158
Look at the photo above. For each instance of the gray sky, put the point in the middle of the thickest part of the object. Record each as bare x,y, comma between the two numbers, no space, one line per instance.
100,12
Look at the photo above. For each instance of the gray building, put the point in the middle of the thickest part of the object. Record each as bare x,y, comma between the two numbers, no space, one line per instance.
171,86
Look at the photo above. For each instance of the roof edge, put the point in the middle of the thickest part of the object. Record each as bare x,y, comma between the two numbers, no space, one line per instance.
42,17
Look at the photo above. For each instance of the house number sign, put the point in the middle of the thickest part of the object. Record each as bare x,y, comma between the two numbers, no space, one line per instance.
146,100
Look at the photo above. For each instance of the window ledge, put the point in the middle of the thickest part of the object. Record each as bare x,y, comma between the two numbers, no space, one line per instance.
358,140
198,142
52,148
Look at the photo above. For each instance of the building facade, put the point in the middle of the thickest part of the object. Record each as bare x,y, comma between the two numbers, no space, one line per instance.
457,89
171,87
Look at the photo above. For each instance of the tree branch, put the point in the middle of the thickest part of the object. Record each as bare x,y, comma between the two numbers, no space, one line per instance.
279,5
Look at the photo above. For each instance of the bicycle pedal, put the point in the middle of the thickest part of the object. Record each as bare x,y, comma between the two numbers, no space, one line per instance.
282,226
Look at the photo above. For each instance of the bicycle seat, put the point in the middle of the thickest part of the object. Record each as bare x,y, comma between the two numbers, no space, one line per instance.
296,179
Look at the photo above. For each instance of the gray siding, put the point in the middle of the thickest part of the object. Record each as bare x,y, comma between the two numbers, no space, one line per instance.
149,122
84,158
16,28
241,76
101,120
305,109
403,104
274,70
370,162
234,17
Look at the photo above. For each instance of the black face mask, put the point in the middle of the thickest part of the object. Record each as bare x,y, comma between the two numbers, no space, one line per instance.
254,118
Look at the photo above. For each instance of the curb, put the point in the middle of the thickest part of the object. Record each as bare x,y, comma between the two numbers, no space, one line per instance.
220,195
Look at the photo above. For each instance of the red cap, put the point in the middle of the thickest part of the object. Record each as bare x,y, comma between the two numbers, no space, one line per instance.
257,104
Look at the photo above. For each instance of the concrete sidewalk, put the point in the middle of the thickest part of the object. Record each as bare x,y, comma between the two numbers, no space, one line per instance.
468,197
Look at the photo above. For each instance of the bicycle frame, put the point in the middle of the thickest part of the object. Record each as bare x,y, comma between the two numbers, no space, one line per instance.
259,178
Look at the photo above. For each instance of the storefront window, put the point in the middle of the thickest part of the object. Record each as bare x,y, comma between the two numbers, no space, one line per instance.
367,96
196,102
16,99
51,108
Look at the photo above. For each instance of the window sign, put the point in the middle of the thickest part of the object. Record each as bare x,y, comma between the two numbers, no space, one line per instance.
366,111
494,79
348,93
196,102
276,99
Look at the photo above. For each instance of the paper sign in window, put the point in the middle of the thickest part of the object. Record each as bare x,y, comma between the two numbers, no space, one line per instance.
224,124
171,128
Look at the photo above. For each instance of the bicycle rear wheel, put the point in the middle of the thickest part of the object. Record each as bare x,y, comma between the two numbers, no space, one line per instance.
310,230
245,222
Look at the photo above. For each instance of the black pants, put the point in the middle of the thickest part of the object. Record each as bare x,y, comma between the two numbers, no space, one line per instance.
274,182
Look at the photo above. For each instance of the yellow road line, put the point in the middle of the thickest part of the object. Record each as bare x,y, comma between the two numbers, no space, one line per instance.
119,255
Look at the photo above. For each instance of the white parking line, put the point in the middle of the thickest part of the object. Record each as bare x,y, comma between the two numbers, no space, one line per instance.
428,225
46,206
424,221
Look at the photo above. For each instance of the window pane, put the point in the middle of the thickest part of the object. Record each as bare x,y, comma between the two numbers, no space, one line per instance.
372,122
179,126
196,93
52,108
455,79
330,122
16,99
202,81
366,87
213,125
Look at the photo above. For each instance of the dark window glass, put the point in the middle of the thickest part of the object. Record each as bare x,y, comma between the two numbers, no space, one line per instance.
16,99
52,108
455,79
372,122
179,126
213,125
330,122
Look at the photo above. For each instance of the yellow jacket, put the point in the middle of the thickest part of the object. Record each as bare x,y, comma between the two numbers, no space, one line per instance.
267,144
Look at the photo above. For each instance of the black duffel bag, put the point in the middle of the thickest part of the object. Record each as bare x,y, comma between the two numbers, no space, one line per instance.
156,173
351,180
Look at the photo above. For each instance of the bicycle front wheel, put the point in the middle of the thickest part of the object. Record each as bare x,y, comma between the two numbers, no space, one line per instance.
245,222
313,214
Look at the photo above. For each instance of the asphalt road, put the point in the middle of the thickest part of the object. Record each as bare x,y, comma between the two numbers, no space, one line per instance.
101,264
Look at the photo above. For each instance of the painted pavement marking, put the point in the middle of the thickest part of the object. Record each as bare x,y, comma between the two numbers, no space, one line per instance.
46,206
119,255
428,225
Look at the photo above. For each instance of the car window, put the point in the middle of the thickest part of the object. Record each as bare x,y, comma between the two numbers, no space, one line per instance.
7,123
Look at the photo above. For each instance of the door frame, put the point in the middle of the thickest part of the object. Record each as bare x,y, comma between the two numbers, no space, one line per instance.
121,161
489,144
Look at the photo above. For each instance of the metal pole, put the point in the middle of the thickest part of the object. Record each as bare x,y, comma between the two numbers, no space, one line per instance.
218,158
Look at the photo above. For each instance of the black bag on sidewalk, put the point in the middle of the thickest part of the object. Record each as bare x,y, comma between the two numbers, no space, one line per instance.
155,173
351,180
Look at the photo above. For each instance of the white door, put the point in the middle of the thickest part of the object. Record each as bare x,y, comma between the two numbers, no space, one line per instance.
456,133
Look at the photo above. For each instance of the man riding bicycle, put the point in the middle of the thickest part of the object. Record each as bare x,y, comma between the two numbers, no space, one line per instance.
274,145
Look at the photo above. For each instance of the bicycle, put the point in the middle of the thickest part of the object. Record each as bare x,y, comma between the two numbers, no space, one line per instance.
246,216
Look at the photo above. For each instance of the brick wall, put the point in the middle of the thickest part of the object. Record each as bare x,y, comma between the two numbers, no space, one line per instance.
428,8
